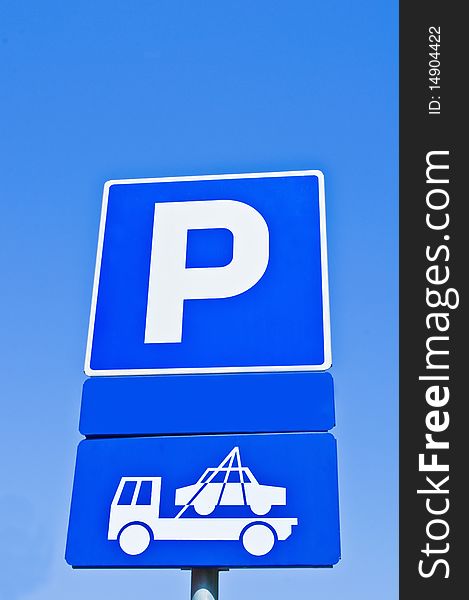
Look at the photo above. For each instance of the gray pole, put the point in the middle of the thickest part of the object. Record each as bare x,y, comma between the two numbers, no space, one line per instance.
204,584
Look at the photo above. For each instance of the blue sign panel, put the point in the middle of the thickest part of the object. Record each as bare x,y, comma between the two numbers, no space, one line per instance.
220,403
224,501
214,274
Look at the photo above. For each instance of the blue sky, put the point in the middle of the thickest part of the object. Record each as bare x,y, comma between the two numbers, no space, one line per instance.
96,91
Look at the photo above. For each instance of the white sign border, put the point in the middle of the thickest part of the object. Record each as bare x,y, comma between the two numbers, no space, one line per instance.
188,370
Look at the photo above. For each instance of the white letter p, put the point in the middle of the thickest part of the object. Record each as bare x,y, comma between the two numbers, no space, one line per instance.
171,282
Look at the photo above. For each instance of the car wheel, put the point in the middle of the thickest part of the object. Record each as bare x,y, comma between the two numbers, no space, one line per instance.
203,509
260,509
134,539
258,539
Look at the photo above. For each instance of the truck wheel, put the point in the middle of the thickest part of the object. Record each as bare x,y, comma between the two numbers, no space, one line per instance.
258,539
134,539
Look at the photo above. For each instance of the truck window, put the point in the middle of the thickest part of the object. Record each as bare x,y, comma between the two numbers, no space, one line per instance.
144,494
127,493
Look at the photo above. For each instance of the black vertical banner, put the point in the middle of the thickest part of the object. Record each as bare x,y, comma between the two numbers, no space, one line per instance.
433,274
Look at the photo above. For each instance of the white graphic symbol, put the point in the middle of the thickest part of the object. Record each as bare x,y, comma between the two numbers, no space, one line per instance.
134,519
171,282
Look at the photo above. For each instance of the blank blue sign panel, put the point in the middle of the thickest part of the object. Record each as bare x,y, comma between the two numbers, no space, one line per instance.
215,403
195,501
213,274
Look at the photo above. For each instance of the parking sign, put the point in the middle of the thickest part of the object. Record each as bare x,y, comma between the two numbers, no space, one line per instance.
219,284
211,274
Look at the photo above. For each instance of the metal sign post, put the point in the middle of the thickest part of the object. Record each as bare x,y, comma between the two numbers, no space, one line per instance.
204,584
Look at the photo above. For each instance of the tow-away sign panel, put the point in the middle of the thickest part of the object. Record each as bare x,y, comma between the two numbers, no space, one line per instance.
226,501
222,273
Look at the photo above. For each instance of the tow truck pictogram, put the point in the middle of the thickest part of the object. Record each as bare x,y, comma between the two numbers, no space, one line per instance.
134,518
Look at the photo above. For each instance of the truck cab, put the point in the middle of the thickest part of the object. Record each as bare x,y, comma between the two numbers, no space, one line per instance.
134,512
